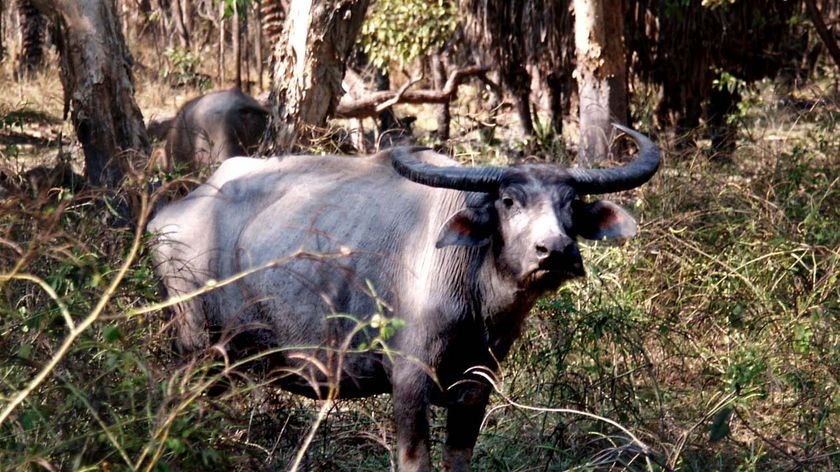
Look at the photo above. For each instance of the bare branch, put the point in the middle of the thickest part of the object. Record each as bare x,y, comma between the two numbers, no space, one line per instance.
388,103
373,103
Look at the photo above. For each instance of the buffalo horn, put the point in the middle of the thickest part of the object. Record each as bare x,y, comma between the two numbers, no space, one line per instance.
632,175
470,179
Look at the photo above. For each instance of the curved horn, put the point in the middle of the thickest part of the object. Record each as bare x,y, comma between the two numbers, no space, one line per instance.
589,181
469,179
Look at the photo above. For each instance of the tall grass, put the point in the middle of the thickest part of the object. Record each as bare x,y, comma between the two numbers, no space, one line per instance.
712,338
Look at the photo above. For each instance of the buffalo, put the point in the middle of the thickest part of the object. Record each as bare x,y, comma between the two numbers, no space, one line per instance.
306,259
213,127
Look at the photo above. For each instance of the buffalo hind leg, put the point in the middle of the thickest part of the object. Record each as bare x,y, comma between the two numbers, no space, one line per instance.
463,421
411,408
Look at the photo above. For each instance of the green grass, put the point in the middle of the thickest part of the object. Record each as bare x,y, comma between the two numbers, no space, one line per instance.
713,337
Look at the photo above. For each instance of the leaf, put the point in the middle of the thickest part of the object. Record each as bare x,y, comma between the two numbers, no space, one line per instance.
720,425
25,351
111,333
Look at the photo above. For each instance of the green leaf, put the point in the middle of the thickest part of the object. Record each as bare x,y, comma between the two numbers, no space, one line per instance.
720,425
111,333
25,351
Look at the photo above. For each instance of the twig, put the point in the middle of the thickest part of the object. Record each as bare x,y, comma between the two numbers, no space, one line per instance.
75,332
796,461
322,414
47,288
488,375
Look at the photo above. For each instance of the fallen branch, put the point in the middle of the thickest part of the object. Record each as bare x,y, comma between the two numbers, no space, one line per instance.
374,103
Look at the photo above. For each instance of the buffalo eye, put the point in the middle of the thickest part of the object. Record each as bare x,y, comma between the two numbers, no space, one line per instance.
507,202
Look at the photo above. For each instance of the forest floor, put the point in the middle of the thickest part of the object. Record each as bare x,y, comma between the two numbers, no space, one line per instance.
712,339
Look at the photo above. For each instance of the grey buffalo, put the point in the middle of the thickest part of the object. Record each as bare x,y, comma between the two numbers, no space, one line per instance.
334,248
213,127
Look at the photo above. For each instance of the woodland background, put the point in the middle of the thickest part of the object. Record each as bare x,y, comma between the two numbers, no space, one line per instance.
713,336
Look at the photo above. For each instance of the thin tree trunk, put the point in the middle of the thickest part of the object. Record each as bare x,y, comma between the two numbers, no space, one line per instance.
33,27
443,114
2,30
554,83
221,73
825,35
188,18
246,53
310,63
179,16
98,86
237,48
601,74
272,18
258,51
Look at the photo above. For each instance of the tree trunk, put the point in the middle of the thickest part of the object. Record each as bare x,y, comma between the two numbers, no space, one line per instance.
2,30
33,26
438,65
825,35
258,49
98,86
181,24
272,18
387,119
554,83
518,80
310,61
246,49
601,74
236,33
220,76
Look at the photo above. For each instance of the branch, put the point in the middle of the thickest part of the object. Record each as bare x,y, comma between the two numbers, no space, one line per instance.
372,103
80,328
389,103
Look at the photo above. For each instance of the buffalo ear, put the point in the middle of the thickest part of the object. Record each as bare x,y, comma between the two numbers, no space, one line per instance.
468,227
603,219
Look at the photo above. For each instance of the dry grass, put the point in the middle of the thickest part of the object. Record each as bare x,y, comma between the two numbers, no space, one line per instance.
712,337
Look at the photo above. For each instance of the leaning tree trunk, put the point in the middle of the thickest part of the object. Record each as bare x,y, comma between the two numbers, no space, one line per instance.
98,85
822,31
33,26
310,61
601,73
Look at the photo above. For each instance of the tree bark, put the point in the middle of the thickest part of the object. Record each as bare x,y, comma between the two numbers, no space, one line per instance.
272,18
2,30
181,22
310,61
258,49
236,33
438,65
601,74
33,26
98,86
221,66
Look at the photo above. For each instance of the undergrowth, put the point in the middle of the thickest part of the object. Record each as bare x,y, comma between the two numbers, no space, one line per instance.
713,337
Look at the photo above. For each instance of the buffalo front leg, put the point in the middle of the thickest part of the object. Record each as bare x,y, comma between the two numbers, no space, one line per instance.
411,408
463,420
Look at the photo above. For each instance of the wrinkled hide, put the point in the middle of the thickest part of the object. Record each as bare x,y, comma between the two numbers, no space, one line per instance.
334,242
